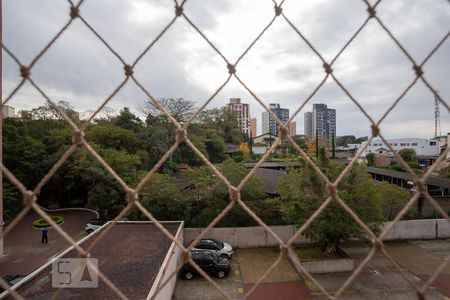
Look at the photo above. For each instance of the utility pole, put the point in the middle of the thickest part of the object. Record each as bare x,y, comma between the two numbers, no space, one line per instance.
317,142
333,147
251,142
437,116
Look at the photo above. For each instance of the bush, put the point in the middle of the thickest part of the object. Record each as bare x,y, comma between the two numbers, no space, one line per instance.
41,223
413,165
397,167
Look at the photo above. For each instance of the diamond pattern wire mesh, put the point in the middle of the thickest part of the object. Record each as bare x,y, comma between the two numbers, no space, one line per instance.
30,196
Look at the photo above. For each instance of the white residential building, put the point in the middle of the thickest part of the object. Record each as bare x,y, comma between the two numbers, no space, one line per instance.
242,111
308,125
8,111
423,147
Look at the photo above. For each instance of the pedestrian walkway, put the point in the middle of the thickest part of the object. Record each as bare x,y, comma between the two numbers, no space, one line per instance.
418,260
421,262
24,251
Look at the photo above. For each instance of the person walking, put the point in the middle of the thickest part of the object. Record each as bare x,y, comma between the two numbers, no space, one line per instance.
44,236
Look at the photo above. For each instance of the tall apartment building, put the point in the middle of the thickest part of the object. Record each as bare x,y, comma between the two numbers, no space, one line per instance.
308,125
269,124
242,111
293,128
253,128
321,124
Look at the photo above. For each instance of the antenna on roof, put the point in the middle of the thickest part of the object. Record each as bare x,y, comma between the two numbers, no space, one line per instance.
437,115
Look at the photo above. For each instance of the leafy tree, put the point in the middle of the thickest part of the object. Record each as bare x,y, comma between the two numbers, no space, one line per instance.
225,122
123,163
361,139
409,155
12,200
343,141
393,198
111,136
323,157
300,140
34,142
370,159
107,198
445,172
244,149
311,147
105,116
98,188
47,112
209,196
23,154
214,145
155,140
127,120
302,191
181,109
163,199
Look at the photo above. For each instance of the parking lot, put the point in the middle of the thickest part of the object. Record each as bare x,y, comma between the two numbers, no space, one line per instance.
378,280
248,266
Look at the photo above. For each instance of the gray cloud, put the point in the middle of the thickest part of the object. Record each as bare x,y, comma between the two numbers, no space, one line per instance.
279,68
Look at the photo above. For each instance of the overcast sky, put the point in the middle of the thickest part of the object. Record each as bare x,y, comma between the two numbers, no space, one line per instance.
280,68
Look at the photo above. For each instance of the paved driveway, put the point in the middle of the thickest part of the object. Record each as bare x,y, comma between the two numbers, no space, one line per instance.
379,279
248,265
23,248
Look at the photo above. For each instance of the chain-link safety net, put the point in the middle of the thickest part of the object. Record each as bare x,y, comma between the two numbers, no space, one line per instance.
286,250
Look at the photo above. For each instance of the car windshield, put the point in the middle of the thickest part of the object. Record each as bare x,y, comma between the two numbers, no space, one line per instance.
204,255
217,244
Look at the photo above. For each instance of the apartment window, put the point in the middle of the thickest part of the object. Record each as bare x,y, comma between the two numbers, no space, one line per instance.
432,143
413,144
395,144
402,144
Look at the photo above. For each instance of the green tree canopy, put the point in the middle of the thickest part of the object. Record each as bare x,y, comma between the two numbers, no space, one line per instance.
343,141
111,136
408,154
394,198
370,159
302,191
162,197
209,196
127,120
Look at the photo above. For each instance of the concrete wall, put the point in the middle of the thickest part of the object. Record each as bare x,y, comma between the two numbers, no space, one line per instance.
329,265
169,265
248,237
419,229
428,209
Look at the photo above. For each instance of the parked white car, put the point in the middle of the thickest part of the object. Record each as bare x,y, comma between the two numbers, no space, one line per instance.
94,224
221,249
